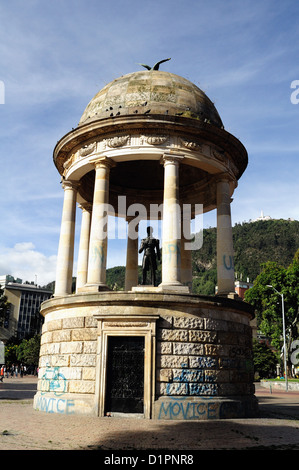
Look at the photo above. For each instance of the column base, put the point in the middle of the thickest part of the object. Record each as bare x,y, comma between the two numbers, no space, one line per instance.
228,295
180,288
175,287
93,288
145,288
60,294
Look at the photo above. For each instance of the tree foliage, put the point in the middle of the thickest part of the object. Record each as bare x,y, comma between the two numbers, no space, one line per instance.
26,352
262,241
268,301
11,354
264,360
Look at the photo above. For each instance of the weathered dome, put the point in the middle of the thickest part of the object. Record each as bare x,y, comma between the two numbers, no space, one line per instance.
151,92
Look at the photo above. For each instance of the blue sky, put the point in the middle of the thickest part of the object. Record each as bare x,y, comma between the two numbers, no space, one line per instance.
55,56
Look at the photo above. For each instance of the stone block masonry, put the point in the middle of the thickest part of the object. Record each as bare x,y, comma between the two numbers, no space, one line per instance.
68,356
197,358
203,357
197,354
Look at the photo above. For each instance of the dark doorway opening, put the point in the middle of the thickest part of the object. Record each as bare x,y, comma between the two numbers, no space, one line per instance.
125,374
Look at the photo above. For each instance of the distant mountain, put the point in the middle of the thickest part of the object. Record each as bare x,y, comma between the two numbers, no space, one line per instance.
254,243
258,242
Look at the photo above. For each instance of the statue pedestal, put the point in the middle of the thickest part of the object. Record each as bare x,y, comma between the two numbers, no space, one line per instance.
196,355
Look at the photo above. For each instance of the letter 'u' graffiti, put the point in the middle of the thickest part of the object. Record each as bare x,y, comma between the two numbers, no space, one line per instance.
231,263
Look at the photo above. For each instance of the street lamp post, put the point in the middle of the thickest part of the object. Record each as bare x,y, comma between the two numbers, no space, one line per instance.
284,337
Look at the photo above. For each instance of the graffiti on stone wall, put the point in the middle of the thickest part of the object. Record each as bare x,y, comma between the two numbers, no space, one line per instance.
54,382
187,410
191,392
171,250
191,383
98,254
230,264
55,405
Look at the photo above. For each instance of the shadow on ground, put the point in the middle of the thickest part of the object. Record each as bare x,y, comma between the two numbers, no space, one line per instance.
272,407
276,428
203,435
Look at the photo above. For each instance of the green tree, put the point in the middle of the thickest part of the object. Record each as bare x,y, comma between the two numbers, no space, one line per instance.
11,354
28,351
264,359
268,305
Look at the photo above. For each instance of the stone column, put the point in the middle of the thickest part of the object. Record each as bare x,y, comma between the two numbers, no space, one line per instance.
186,255
83,246
131,277
225,250
64,268
96,278
171,234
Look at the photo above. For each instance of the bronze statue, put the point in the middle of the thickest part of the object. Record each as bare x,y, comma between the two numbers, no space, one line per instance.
151,248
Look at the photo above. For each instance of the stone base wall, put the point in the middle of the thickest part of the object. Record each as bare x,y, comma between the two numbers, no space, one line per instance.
203,357
198,354
204,368
67,365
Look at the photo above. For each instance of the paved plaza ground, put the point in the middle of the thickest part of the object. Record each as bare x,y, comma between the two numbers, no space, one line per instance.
23,428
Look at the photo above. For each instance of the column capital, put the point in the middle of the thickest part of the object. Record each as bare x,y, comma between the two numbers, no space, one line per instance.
68,184
171,158
225,178
86,206
103,162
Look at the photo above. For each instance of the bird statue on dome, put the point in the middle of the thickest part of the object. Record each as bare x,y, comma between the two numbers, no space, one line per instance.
156,66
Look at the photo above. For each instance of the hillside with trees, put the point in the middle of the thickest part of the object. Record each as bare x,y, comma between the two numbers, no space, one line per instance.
254,243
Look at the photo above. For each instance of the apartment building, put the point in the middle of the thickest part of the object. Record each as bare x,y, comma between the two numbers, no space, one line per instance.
23,314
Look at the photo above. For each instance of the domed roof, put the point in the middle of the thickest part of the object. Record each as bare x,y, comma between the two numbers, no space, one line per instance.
151,92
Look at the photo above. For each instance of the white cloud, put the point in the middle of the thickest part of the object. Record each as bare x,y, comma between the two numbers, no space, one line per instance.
25,262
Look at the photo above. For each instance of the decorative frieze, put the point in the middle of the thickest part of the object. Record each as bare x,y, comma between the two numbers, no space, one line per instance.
118,141
141,140
190,144
155,139
87,150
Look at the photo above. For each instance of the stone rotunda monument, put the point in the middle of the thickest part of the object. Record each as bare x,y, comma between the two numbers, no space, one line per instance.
149,145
